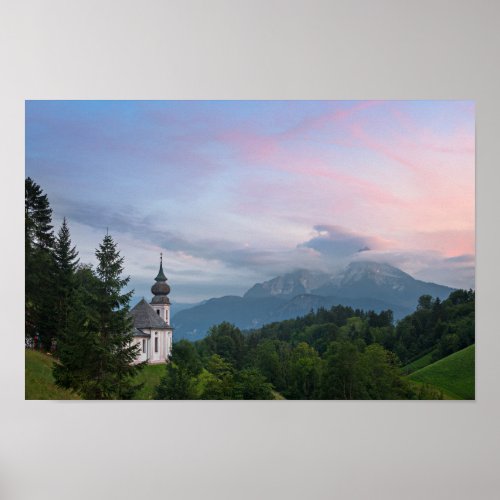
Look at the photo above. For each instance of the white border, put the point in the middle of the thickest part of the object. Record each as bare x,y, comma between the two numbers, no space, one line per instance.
251,49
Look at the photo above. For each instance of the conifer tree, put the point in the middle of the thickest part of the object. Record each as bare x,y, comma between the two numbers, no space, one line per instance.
38,216
115,323
96,353
39,264
66,262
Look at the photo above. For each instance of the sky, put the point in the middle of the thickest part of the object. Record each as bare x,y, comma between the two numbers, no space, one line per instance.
238,192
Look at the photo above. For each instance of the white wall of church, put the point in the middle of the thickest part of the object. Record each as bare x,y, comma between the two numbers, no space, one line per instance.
165,340
164,311
142,356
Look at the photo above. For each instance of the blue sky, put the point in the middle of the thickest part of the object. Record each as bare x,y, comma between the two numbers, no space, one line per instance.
234,192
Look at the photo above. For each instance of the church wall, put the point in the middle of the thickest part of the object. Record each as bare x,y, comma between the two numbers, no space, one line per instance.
142,356
164,311
164,346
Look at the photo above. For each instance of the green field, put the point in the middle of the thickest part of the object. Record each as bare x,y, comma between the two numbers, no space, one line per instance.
453,375
150,375
39,382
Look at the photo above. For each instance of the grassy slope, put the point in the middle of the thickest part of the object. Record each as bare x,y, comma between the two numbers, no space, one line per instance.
39,383
150,375
454,375
418,363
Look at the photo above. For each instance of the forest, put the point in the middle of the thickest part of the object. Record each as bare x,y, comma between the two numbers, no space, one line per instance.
80,315
339,353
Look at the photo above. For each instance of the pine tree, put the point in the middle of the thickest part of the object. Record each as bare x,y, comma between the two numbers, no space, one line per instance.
116,369
39,265
38,216
96,353
66,262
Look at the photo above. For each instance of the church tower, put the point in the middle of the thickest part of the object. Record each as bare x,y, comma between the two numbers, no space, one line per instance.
160,290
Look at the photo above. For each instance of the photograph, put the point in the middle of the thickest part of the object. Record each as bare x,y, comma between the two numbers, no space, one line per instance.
249,250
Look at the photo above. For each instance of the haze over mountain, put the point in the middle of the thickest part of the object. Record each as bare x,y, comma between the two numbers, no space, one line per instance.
363,285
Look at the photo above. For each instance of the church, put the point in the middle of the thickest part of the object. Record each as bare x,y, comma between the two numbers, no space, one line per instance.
152,330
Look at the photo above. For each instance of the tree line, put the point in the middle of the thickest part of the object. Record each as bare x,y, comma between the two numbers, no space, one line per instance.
78,313
340,353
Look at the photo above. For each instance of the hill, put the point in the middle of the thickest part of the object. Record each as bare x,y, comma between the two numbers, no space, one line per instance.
39,382
418,363
361,285
454,375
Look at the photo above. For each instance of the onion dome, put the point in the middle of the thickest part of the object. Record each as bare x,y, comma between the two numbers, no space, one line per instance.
160,289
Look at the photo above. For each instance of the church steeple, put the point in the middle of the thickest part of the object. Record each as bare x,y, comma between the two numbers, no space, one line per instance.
160,290
161,275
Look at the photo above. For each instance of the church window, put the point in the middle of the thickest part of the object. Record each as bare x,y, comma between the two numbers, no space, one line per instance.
158,312
156,344
143,345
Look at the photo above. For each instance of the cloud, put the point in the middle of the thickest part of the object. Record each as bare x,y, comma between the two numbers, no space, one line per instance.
428,265
337,242
235,192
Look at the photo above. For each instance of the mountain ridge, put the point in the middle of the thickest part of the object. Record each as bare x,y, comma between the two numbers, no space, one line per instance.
360,285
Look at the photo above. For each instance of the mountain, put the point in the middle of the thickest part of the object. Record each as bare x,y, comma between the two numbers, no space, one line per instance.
246,313
361,285
289,285
373,280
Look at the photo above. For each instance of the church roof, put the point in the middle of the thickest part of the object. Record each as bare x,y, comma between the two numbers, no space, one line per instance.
144,316
139,333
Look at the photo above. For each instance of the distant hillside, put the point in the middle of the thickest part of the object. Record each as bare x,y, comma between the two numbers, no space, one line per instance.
361,285
246,313
454,375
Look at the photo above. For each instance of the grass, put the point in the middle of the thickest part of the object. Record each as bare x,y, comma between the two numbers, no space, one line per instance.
39,382
453,375
418,363
150,375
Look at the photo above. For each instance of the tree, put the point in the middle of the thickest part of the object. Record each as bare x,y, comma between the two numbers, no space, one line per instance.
272,358
425,302
97,354
185,355
38,216
341,377
39,265
251,384
304,372
176,384
219,384
227,341
380,370
66,263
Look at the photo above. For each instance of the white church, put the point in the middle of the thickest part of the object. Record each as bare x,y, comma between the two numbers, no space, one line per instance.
152,330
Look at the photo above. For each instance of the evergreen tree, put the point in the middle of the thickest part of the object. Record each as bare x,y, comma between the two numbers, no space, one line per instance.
97,353
66,262
38,216
39,265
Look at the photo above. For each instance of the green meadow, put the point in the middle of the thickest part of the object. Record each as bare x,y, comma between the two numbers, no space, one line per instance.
453,375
